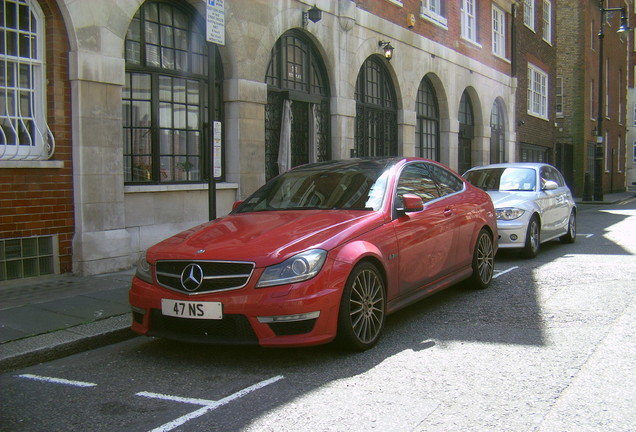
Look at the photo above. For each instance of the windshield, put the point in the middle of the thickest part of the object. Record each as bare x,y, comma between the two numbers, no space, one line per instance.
349,187
503,179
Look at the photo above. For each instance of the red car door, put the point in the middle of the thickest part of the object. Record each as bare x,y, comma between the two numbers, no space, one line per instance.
425,238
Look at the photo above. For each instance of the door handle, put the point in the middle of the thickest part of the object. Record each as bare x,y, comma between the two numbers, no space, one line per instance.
448,212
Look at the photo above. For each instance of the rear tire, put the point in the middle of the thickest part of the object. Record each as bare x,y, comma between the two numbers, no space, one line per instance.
362,308
483,261
570,236
533,238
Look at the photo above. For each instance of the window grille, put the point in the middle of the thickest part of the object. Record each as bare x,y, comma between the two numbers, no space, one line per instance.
166,96
24,134
427,128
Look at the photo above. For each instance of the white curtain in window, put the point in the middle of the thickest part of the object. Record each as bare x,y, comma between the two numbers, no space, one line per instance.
284,146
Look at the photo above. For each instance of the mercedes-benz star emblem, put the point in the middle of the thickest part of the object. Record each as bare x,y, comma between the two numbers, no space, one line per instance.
192,277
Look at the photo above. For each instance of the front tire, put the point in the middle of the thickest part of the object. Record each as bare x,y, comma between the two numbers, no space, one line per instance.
362,308
533,238
483,261
570,236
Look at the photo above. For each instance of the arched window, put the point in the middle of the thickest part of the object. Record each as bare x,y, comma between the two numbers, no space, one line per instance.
497,134
376,112
166,96
24,134
466,133
427,128
297,111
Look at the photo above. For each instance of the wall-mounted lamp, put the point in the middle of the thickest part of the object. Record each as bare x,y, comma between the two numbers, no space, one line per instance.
388,49
624,25
314,15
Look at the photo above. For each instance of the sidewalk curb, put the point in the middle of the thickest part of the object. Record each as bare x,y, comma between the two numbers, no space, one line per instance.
50,346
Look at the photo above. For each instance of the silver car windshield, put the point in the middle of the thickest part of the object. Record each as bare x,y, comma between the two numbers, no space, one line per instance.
504,179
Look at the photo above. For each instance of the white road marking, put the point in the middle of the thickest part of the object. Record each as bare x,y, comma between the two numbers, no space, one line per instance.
58,380
585,235
206,404
503,272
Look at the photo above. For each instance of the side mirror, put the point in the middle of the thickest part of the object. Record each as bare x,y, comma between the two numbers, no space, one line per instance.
236,205
550,185
411,203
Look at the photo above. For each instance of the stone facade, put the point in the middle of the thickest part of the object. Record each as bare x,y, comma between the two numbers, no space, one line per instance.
115,222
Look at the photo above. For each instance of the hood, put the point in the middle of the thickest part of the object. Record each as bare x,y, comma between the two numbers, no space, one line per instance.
266,237
522,200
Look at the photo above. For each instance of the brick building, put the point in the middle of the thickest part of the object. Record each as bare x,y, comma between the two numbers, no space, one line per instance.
534,66
578,93
36,170
137,102
630,141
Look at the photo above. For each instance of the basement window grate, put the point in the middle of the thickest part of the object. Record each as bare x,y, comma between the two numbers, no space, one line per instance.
27,257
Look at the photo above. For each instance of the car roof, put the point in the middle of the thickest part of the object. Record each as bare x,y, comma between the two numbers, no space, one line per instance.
370,162
533,165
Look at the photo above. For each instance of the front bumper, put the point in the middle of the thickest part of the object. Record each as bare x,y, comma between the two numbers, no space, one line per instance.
512,234
298,314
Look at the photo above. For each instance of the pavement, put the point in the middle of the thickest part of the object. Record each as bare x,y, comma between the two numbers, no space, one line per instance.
45,318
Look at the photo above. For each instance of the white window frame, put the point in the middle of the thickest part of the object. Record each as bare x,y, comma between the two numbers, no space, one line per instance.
537,92
528,14
608,149
547,21
560,99
607,88
619,155
592,100
634,114
498,31
25,136
469,20
432,10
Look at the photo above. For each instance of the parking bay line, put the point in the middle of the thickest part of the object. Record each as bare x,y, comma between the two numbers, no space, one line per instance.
503,272
207,405
57,380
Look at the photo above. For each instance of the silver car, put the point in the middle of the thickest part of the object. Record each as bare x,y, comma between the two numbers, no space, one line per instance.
533,204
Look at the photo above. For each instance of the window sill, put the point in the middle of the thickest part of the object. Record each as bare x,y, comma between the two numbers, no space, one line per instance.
31,164
176,187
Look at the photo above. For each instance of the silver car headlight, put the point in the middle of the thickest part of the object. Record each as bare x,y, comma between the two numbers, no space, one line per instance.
298,268
144,271
509,213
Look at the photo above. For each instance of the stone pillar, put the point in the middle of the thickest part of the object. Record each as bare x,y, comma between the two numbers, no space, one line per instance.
101,242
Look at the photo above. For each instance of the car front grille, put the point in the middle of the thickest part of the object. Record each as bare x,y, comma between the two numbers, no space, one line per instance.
199,277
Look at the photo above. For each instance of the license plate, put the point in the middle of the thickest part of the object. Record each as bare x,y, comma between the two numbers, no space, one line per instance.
189,309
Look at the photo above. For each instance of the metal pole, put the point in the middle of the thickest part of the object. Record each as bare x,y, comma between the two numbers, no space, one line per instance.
210,130
598,154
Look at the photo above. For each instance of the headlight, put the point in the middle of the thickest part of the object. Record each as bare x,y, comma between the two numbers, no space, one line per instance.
509,213
144,271
296,269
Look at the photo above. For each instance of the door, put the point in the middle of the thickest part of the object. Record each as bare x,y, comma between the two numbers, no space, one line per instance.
425,238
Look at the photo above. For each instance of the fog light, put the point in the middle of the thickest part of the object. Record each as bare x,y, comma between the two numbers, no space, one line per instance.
513,237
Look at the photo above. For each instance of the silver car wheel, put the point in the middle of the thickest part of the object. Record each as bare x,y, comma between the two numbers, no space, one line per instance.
483,260
533,238
362,308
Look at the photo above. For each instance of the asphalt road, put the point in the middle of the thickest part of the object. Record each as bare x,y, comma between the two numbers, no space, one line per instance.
550,346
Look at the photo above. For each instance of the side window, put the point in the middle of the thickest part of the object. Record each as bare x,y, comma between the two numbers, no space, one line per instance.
416,179
549,173
447,182
557,177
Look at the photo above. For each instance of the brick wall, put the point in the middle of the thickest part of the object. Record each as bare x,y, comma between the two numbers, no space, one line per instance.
39,201
530,48
450,37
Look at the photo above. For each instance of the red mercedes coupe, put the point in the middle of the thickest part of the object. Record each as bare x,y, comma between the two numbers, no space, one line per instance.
324,251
